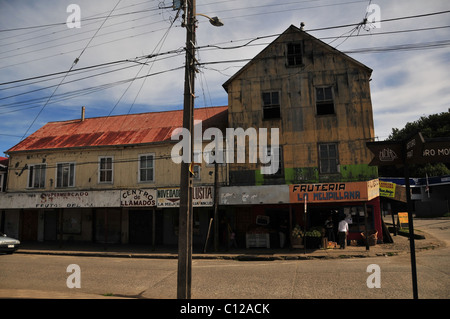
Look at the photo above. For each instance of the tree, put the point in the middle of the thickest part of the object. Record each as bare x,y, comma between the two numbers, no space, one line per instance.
432,126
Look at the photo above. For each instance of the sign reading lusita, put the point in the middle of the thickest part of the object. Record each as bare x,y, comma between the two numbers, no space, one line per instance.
334,192
202,196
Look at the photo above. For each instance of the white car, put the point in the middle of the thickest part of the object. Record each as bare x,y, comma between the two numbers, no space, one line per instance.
8,245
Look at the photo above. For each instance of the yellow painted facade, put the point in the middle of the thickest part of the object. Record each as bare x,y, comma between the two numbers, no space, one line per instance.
125,172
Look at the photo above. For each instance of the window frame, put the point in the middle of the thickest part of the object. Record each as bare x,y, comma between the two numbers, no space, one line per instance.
325,103
105,170
140,180
294,55
328,159
271,106
32,175
71,174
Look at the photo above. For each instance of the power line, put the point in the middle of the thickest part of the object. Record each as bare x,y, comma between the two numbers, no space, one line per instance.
73,64
86,91
85,19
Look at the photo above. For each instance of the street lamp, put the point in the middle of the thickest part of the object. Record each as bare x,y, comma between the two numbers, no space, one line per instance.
186,210
215,21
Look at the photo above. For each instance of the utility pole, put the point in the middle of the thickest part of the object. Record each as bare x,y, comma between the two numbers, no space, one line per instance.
186,211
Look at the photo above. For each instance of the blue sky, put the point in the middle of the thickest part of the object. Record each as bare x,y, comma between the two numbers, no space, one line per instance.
35,41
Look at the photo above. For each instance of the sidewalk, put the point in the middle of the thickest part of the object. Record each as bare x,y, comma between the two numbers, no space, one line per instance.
400,246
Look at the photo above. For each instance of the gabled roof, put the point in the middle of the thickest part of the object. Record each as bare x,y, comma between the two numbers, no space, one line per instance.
143,128
301,34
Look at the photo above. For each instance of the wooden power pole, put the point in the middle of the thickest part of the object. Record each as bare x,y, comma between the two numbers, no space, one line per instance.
186,211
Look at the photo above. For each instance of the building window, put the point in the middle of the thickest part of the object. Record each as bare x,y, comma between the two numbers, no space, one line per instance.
146,168
36,176
294,54
271,105
65,175
105,170
328,158
1,182
324,100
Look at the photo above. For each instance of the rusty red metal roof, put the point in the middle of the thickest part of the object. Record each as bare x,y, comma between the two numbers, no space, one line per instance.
4,161
117,130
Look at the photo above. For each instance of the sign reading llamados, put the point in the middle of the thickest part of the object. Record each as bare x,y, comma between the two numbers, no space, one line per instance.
138,198
334,192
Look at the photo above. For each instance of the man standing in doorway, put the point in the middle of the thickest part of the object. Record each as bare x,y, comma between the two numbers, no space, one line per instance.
343,230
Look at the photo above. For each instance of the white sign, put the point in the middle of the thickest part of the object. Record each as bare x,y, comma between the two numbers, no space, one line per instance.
202,196
63,199
138,198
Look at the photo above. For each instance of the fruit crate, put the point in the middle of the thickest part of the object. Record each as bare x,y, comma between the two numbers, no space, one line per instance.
257,240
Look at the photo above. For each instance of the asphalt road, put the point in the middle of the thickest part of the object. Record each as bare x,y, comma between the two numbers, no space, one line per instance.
224,279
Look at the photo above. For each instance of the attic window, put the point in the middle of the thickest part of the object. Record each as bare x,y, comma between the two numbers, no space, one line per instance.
294,54
324,100
271,105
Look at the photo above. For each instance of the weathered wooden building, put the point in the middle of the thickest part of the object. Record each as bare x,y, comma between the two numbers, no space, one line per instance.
319,99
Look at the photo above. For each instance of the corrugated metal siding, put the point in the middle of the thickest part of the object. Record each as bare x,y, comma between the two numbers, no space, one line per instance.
117,130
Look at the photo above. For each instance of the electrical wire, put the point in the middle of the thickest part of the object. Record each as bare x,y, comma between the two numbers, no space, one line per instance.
73,64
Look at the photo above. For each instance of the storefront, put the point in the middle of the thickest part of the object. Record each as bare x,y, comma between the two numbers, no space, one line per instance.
265,216
356,202
135,216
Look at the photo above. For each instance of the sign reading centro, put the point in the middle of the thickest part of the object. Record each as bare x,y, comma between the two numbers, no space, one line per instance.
334,192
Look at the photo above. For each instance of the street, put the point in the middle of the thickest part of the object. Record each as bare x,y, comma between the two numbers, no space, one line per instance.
231,279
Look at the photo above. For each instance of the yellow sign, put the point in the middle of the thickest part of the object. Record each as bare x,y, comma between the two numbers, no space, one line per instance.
387,189
403,219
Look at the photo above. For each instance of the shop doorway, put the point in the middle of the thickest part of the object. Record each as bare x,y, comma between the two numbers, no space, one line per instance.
278,227
50,225
29,225
140,226
107,225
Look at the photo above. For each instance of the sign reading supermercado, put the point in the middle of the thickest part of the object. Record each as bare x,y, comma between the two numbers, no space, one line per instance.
69,199
202,196
334,192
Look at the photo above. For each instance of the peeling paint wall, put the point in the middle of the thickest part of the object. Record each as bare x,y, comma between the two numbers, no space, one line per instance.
301,129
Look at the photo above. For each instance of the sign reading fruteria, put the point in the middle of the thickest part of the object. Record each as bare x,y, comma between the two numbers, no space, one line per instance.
334,192
202,196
